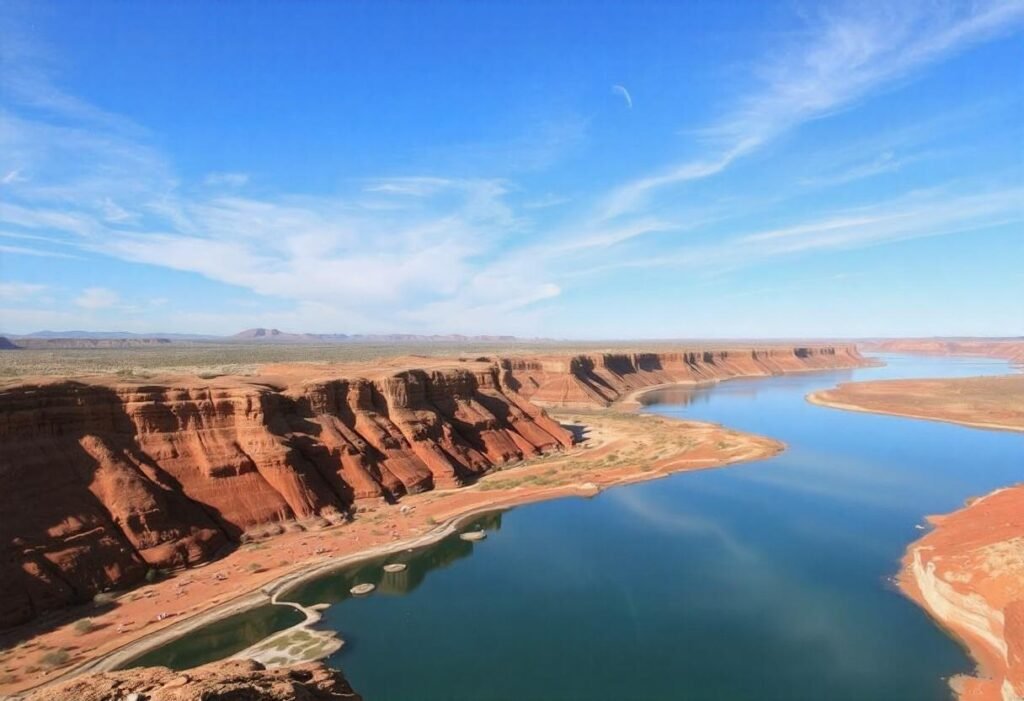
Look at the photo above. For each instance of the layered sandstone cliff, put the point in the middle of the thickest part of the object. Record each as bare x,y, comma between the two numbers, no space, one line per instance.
600,379
104,482
969,574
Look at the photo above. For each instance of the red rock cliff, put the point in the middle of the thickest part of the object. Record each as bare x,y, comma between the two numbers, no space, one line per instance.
103,482
604,378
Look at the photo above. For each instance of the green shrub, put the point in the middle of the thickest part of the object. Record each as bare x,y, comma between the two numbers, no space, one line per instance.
84,625
55,658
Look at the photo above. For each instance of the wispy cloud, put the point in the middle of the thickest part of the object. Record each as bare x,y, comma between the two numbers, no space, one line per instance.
624,94
35,252
842,58
97,298
19,291
456,248
378,256
929,213
226,179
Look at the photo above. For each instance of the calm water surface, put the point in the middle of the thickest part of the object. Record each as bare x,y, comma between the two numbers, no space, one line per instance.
768,580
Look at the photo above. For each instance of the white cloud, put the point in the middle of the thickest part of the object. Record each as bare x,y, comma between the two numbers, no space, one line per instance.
842,58
97,298
226,179
19,291
937,212
444,251
545,201
35,252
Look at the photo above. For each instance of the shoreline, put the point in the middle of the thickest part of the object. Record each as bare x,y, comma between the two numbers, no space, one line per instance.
967,572
949,573
259,593
816,399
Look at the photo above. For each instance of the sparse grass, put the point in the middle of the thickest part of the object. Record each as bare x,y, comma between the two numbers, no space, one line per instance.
104,598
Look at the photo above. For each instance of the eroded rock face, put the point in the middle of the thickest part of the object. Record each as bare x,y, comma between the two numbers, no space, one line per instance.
604,378
230,680
969,574
102,482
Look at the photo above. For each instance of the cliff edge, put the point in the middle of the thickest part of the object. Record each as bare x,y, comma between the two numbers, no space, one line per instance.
106,483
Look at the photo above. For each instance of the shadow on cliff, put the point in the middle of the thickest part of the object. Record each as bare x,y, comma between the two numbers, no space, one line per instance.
85,511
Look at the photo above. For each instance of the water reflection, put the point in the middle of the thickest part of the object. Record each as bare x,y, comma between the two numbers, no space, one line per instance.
761,581
233,634
220,639
334,588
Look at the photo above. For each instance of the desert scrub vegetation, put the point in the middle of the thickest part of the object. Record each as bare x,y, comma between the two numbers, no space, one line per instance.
84,625
55,658
243,358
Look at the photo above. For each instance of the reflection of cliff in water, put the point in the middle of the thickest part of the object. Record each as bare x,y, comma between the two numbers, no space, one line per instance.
220,638
746,388
334,587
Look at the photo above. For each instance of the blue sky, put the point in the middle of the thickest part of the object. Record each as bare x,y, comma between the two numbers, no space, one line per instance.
571,170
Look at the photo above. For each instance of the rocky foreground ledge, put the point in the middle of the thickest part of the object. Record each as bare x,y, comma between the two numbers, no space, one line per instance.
231,680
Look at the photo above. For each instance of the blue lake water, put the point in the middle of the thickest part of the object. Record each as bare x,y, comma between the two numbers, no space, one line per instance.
769,580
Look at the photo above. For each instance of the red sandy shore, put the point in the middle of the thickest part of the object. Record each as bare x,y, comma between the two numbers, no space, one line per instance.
968,573
981,402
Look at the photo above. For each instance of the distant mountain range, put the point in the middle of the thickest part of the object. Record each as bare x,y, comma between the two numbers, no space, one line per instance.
126,339
278,336
97,335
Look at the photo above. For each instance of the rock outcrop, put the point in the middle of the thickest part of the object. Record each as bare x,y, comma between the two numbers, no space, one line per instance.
600,379
230,680
968,573
104,482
